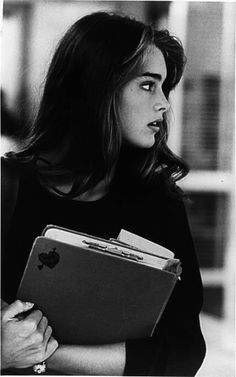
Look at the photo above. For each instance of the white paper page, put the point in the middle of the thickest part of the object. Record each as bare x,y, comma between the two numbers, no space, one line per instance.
144,244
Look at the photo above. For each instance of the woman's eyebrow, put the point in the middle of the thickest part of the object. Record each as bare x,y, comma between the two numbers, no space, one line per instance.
156,76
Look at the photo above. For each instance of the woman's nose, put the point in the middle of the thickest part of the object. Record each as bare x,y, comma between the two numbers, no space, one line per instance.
161,105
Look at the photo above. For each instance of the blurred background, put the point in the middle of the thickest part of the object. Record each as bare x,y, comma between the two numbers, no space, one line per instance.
202,130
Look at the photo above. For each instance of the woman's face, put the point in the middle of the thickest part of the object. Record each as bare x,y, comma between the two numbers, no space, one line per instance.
142,102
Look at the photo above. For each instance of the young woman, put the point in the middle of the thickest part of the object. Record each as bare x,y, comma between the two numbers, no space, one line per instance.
97,161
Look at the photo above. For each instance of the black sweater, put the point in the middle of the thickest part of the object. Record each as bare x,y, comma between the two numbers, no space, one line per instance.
177,347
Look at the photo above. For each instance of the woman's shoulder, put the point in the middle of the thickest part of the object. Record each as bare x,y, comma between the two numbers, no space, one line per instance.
14,170
13,176
9,191
169,193
10,176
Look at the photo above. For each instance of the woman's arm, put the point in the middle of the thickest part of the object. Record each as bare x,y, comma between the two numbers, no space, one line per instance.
108,359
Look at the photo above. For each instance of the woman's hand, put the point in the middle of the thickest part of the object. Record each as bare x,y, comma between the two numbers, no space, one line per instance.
25,341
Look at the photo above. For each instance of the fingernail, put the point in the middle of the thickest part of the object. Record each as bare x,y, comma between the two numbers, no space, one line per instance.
29,304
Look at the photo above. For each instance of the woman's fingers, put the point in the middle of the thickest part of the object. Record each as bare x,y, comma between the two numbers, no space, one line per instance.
30,323
51,347
50,343
47,334
27,341
42,325
17,307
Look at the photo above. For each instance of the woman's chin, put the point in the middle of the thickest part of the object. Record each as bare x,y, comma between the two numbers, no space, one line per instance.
146,144
142,143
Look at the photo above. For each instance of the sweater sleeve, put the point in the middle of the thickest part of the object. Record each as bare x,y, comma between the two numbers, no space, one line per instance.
177,347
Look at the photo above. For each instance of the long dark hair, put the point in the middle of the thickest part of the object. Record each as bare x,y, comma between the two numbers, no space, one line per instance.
79,109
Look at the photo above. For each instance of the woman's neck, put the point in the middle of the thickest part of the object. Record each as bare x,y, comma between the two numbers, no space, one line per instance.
64,186
95,193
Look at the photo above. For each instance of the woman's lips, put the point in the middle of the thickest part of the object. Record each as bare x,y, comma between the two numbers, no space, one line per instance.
155,126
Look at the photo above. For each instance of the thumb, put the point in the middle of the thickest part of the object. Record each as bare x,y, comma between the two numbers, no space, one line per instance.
15,308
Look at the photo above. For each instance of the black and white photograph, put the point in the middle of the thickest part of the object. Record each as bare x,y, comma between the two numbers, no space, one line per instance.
118,188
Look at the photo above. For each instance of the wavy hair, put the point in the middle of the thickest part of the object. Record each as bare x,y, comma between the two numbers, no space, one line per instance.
79,109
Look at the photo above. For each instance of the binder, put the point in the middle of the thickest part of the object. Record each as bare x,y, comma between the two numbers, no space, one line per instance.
96,291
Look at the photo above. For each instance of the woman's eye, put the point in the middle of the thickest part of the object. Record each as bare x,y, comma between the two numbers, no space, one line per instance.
148,86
